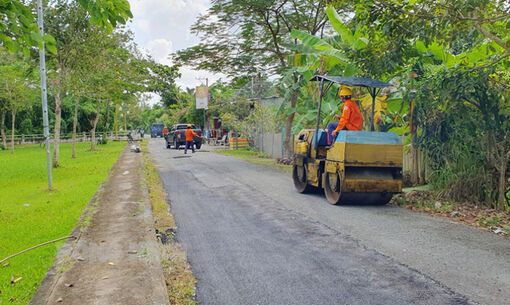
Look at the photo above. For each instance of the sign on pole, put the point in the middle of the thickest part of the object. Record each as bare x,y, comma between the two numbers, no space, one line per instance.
202,96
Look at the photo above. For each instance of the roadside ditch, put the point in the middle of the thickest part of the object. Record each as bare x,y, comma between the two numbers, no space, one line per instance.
179,279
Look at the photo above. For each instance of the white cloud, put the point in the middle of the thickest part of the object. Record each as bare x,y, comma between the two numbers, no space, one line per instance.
192,78
162,27
160,49
167,19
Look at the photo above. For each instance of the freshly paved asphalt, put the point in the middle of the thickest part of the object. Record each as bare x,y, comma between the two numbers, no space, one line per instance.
252,239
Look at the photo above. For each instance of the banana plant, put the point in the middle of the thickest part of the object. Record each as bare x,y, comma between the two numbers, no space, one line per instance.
481,55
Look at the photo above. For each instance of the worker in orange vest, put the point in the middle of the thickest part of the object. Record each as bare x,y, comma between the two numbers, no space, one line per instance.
165,133
189,134
351,118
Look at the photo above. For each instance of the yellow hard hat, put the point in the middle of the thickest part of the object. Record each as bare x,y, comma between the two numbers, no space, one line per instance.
189,125
345,91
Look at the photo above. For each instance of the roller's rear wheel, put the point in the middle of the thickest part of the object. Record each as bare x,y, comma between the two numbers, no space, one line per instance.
300,179
333,188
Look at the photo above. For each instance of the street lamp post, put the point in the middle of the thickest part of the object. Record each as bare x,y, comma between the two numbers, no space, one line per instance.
44,96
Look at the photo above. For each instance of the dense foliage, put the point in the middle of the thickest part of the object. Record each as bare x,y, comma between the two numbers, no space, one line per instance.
448,61
96,74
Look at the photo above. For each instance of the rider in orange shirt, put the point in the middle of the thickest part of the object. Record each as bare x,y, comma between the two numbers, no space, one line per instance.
351,118
189,134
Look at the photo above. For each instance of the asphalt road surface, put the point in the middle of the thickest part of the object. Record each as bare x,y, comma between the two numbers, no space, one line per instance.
252,239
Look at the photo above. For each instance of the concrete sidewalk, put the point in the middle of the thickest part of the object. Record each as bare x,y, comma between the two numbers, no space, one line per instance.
116,258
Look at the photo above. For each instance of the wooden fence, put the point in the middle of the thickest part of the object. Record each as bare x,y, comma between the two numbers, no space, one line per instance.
424,170
66,138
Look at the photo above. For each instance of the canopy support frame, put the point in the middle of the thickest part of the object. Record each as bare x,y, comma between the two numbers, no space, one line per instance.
373,93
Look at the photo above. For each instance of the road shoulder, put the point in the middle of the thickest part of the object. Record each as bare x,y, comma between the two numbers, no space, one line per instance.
116,256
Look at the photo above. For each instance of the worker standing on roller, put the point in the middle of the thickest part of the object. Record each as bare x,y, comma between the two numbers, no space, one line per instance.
351,118
189,134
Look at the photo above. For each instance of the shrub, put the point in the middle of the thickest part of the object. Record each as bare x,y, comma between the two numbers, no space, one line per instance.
26,126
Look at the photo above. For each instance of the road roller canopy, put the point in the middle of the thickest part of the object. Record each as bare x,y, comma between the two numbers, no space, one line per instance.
352,81
373,86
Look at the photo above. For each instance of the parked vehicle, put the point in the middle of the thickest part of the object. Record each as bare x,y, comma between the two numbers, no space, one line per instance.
176,137
157,130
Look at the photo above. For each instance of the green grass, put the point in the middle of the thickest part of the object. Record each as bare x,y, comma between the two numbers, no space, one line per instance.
254,157
179,278
30,214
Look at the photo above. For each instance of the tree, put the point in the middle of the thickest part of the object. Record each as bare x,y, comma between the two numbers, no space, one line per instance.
20,29
82,70
459,56
16,88
68,24
119,73
4,102
163,82
246,37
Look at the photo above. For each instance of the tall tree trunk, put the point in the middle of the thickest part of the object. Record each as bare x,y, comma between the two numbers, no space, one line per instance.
498,157
93,132
423,168
2,129
415,169
75,124
288,133
288,125
502,185
13,112
125,121
501,166
414,152
107,120
56,134
116,123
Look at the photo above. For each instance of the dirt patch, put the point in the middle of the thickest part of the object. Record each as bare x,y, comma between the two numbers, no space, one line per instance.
471,214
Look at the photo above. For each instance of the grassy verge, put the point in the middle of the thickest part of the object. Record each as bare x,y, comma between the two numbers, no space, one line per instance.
30,214
179,279
254,157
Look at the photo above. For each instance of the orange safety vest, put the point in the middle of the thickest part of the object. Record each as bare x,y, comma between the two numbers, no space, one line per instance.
351,117
189,134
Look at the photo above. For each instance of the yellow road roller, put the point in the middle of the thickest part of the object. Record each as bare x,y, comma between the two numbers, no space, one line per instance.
359,167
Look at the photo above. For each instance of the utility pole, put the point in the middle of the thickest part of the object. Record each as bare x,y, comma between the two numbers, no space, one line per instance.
42,61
